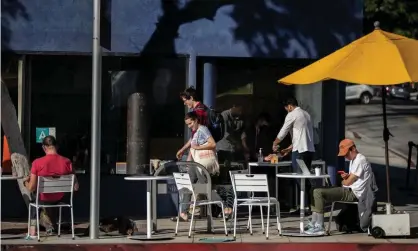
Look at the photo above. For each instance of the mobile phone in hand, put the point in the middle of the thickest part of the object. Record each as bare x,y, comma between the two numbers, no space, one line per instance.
340,172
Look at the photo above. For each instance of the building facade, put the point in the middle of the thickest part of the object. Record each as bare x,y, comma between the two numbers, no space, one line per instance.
232,51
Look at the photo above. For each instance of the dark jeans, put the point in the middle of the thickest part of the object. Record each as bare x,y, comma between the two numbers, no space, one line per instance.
47,216
225,191
307,158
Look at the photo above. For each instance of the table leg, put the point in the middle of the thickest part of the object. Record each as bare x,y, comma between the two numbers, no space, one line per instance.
302,205
154,192
277,182
149,209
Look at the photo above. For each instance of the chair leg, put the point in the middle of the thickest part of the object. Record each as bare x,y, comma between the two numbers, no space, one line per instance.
37,223
72,222
262,219
223,216
59,222
29,220
248,221
279,225
178,220
330,218
268,220
235,219
231,222
192,219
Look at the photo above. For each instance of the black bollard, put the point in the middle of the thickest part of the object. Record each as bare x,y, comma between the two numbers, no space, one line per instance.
137,133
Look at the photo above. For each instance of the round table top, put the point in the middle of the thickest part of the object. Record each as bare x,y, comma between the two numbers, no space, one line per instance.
10,177
301,176
282,163
149,178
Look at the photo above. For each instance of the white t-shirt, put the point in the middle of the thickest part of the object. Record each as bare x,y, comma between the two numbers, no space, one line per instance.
298,123
361,168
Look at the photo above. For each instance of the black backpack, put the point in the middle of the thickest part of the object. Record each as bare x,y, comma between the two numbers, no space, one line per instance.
215,124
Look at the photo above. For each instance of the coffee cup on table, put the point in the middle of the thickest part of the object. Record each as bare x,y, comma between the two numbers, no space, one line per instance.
317,171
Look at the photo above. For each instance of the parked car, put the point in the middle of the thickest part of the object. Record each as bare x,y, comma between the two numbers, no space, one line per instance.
361,93
402,91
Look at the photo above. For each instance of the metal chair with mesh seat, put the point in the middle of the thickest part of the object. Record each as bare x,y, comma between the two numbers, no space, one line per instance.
60,184
184,185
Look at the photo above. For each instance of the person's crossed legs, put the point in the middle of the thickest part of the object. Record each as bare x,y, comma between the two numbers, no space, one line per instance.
47,218
320,196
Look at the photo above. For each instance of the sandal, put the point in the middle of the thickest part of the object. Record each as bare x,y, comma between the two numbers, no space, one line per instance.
227,215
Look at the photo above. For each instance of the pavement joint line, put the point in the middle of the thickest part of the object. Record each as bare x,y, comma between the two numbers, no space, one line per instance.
368,140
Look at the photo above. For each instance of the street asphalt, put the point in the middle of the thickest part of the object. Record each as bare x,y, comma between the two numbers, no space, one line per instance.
366,122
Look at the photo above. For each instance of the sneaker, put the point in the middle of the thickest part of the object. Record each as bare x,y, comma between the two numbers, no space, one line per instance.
31,237
316,230
309,226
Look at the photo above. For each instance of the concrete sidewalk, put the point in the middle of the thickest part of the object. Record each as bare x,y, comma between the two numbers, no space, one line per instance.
166,228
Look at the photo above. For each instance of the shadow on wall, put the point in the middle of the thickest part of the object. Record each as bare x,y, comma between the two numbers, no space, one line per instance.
10,9
285,28
268,28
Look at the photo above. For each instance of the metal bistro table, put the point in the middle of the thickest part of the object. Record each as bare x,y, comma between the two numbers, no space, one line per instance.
149,180
303,178
284,164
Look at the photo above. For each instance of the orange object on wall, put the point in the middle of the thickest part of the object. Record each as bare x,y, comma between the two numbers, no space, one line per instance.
7,161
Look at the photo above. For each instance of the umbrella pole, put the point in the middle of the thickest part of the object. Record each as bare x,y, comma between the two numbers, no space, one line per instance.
386,135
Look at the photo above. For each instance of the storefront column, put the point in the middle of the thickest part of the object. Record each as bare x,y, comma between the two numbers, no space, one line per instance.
209,84
24,100
333,105
191,81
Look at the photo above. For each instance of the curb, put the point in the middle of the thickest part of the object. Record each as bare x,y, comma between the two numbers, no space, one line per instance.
362,137
223,247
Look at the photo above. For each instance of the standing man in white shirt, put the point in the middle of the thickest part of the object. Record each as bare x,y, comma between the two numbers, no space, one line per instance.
353,187
298,123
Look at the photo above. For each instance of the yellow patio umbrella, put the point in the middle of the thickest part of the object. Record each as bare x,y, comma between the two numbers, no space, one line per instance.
379,58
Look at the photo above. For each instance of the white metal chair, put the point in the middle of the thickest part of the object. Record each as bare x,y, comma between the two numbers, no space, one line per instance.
184,185
249,198
60,184
254,183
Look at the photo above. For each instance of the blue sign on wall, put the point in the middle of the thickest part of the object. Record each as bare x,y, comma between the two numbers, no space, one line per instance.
42,132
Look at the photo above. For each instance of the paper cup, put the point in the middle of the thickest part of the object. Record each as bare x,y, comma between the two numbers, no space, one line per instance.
317,171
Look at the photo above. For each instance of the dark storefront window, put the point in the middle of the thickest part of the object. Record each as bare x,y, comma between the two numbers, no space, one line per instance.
9,74
61,98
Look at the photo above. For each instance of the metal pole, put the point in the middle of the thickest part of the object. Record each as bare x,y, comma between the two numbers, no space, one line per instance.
408,168
386,135
95,124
